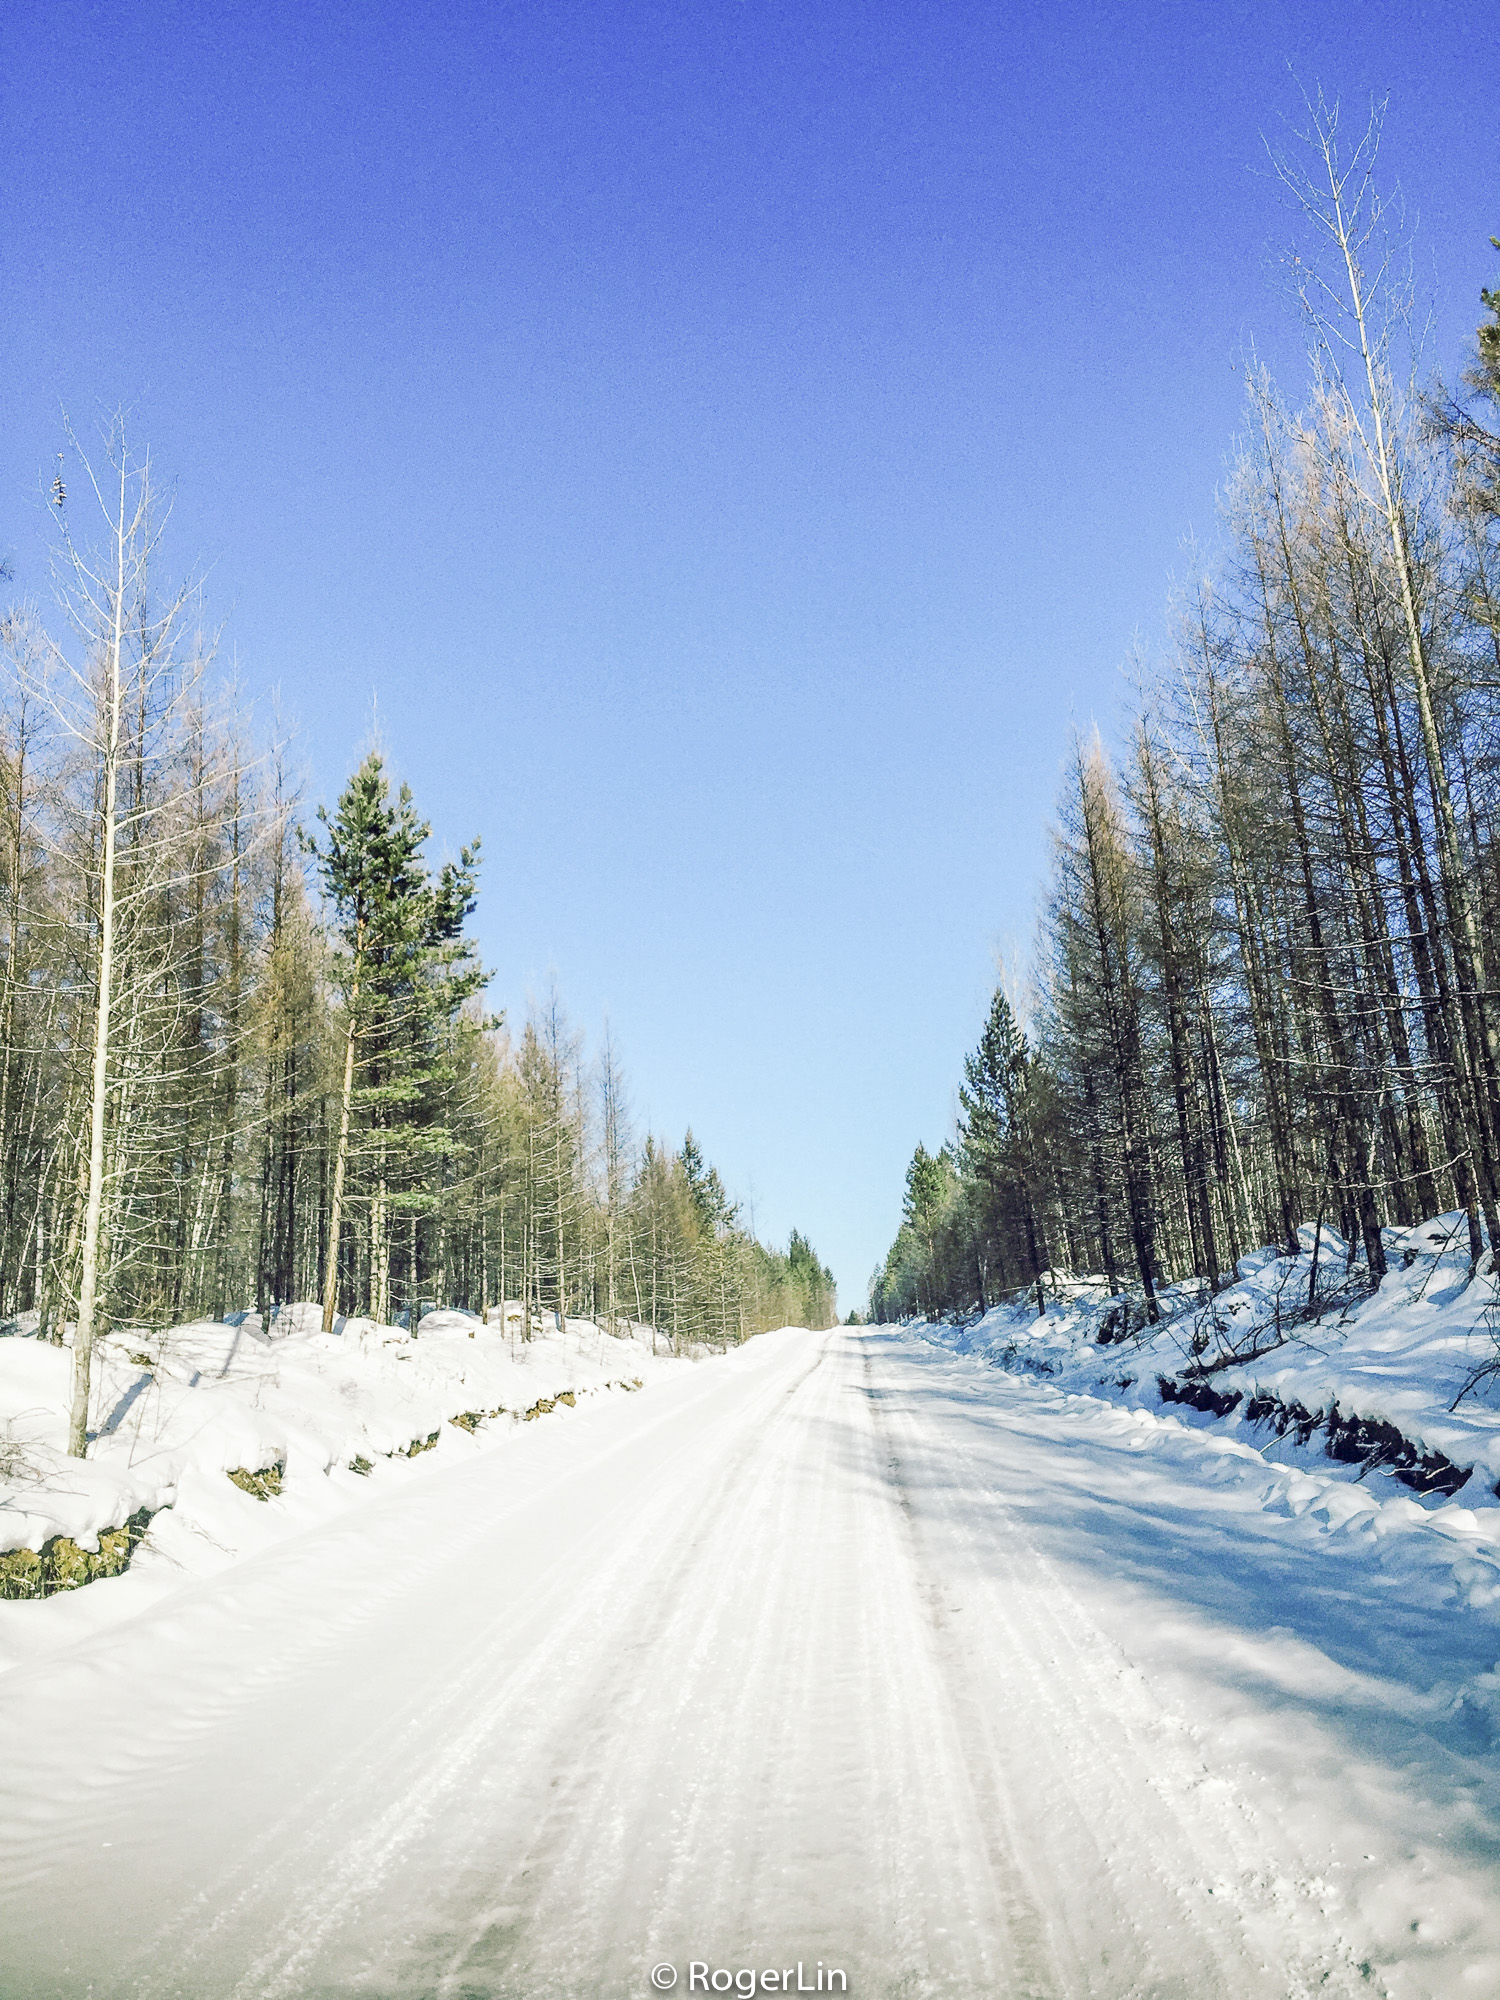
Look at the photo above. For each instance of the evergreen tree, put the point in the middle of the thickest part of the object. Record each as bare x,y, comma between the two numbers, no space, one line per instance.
404,970
929,1185
997,1143
713,1206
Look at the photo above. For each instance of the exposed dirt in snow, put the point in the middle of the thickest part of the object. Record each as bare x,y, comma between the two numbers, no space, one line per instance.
841,1648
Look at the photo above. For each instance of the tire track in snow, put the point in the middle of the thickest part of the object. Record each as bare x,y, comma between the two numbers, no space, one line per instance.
1120,1798
759,1856
756,1668
324,1675
510,1697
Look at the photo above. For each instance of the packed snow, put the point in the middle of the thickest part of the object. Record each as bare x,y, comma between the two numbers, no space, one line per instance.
949,1657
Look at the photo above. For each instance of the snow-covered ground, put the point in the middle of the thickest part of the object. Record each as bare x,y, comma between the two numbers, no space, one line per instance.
845,1647
1405,1356
332,1417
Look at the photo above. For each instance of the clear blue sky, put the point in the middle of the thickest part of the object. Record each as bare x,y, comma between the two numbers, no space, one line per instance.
733,442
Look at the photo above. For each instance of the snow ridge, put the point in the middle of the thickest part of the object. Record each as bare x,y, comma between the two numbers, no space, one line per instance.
200,1427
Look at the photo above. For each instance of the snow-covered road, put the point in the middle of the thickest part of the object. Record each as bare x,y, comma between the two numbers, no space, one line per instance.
841,1649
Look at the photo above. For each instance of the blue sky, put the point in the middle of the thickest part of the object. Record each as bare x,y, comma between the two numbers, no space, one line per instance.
733,444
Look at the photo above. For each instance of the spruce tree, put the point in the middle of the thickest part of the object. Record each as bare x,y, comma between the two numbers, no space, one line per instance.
714,1208
929,1184
997,1142
405,970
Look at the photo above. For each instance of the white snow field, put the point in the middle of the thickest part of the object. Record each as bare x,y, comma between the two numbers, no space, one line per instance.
845,1650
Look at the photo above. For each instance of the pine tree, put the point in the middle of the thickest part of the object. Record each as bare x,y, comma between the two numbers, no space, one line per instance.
929,1186
404,969
998,1141
714,1208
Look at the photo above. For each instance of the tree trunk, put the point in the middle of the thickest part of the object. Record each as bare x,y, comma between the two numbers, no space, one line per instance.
88,1287
341,1157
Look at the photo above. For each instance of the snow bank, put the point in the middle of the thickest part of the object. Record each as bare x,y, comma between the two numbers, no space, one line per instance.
1399,1356
1252,1481
332,1416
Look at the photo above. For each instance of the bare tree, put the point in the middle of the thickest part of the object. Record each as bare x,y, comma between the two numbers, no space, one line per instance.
125,689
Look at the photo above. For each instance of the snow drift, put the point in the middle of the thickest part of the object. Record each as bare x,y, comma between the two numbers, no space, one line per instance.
197,1428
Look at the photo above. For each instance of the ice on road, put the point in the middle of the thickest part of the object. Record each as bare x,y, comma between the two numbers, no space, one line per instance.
840,1649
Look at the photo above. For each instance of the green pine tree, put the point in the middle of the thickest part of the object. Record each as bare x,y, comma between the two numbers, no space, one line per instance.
929,1187
404,970
715,1210
997,1138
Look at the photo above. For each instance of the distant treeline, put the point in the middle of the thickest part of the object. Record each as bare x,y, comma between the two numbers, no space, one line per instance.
242,1062
1267,985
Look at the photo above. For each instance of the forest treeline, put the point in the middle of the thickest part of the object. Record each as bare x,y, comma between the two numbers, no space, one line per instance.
1267,981
244,1053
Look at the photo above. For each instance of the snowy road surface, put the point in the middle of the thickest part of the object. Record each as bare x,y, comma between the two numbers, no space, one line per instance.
841,1649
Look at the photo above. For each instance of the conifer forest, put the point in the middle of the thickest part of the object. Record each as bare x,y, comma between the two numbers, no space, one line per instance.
245,1056
454,1538
1265,983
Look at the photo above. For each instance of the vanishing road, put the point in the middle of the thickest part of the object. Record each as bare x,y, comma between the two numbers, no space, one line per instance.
840,1651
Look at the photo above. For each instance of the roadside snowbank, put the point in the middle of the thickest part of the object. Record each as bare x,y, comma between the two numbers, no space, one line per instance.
1401,1355
1370,1367
332,1416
